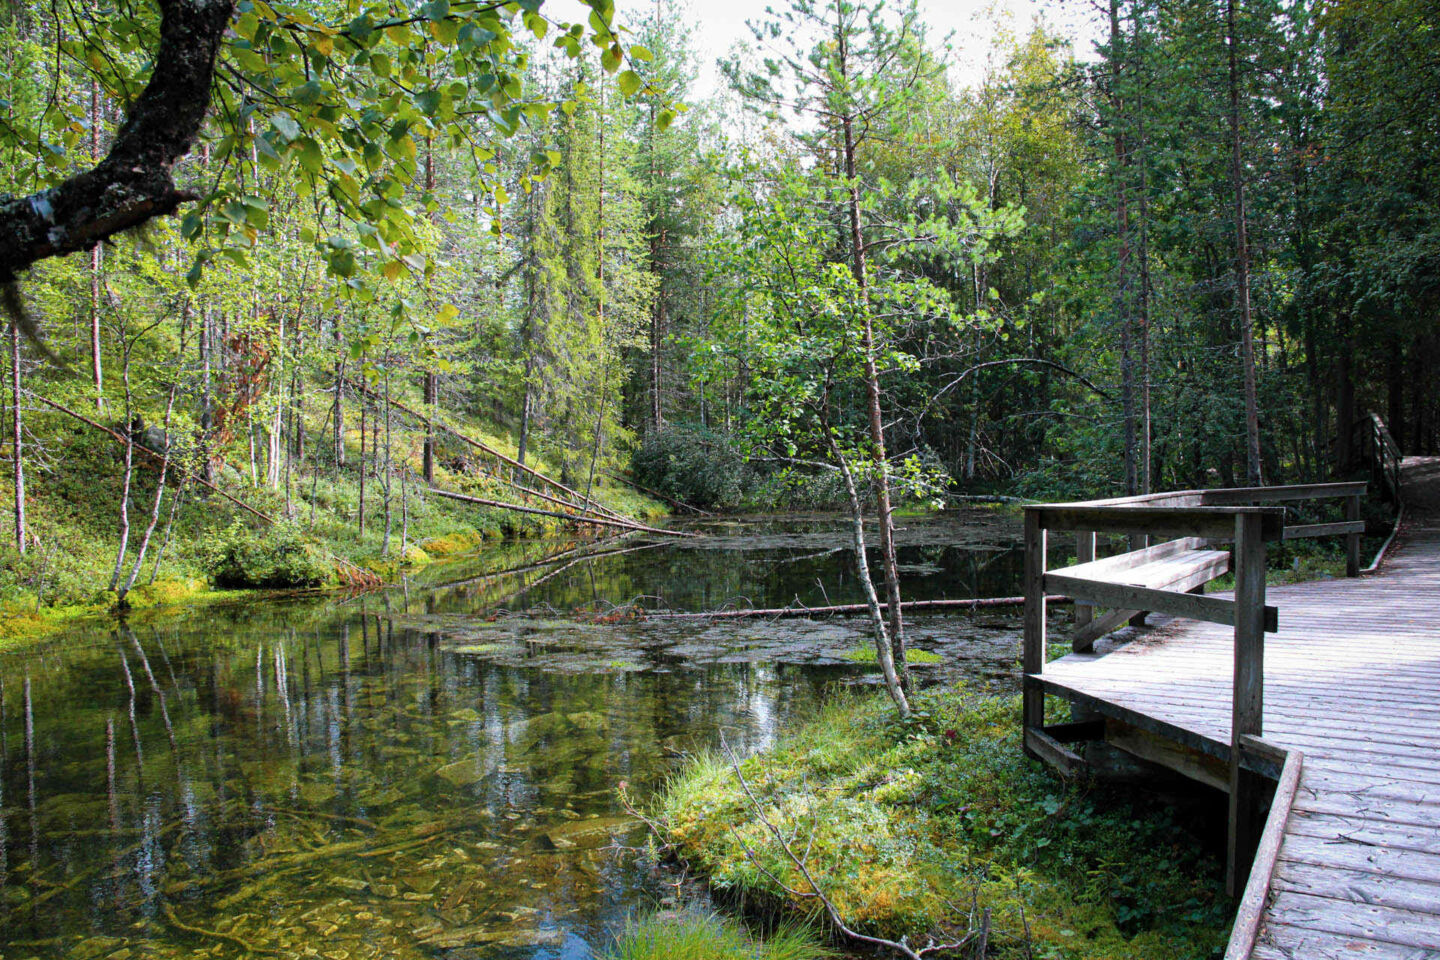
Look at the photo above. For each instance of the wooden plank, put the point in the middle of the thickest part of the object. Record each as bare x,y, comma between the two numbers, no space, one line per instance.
1188,605
1284,942
1033,655
1352,541
1300,491
1086,634
1383,861
1084,553
1065,761
1304,530
1076,731
1373,833
1246,822
1246,929
1173,579
1359,886
1156,574
1189,762
1098,569
1213,523
1360,920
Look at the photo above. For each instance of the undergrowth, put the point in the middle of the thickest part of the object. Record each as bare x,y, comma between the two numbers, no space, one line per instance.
908,823
708,937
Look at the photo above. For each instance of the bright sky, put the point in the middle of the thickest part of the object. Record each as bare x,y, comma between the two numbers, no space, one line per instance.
720,23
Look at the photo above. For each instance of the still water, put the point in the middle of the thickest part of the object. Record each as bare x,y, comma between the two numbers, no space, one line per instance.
431,771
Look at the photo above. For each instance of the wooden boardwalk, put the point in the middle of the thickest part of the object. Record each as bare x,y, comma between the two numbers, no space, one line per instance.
1352,681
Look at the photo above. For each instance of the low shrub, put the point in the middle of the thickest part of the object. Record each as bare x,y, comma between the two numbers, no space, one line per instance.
281,556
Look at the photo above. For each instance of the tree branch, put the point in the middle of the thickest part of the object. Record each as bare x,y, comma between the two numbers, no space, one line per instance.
133,183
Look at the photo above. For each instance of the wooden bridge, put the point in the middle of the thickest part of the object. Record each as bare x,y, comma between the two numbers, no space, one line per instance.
1336,714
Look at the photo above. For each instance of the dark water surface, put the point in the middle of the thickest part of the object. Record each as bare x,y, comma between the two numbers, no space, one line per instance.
407,774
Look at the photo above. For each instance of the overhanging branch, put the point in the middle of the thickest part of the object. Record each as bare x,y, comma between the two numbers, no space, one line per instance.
133,183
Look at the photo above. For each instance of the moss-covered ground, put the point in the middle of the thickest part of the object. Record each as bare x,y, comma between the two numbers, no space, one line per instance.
917,826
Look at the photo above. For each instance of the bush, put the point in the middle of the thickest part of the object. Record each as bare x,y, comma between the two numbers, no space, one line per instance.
279,557
691,464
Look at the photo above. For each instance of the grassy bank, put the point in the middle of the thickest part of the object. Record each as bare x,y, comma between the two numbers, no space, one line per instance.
907,824
683,936
209,547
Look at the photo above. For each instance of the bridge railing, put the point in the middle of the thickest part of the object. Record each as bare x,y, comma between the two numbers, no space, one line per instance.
1199,520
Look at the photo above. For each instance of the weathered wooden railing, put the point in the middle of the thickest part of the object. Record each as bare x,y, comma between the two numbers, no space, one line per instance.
1167,578
1384,454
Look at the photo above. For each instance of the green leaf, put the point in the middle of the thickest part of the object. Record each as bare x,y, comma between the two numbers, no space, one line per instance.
311,157
630,82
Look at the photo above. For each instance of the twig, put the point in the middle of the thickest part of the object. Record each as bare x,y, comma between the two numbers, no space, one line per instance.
245,945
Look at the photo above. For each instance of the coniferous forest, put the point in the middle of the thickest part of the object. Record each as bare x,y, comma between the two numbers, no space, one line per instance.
1192,259
444,442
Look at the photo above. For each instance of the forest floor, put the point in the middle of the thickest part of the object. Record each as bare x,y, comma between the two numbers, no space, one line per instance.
913,827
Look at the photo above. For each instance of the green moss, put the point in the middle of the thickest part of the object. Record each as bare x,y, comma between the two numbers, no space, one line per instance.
866,654
707,937
904,820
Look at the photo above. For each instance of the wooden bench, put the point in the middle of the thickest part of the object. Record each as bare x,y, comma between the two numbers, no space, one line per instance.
1181,565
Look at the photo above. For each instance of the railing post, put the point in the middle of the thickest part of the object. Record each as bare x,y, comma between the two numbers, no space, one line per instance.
1084,553
1352,540
1246,819
1033,657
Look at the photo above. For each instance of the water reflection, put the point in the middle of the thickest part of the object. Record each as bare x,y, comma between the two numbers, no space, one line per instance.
365,779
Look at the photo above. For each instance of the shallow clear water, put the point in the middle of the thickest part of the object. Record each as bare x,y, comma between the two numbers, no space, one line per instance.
407,775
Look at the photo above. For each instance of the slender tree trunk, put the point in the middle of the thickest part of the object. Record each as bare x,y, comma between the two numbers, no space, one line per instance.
431,380
273,446
884,645
1345,402
124,544
154,521
17,437
1122,257
175,502
1142,162
525,412
872,383
207,418
339,395
1253,465
385,540
657,334
364,406
96,372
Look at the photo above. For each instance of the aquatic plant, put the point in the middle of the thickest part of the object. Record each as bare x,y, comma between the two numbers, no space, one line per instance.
913,656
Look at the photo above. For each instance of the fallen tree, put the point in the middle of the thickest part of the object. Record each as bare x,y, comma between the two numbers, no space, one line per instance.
845,609
572,517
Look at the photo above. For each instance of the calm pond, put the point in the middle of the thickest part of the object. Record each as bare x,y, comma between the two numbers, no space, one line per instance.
408,774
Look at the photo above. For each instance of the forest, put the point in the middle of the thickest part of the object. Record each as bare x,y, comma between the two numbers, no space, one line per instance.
407,407
1194,259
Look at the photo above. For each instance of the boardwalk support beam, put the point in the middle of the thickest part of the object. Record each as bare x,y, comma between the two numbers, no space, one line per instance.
1247,788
